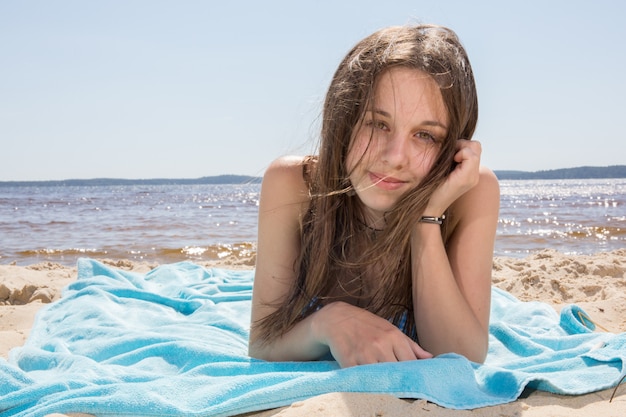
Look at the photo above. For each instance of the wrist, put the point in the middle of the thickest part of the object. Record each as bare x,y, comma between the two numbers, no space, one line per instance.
438,220
425,231
320,320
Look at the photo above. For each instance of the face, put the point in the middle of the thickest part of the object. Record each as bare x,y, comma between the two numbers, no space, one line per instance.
397,141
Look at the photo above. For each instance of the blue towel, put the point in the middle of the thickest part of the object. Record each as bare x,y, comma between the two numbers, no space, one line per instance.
174,342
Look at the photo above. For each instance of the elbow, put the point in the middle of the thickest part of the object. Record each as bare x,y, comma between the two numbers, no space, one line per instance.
252,352
478,356
255,346
474,350
256,351
478,352
263,350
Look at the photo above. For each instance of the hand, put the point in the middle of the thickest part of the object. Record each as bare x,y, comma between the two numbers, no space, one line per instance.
463,177
357,337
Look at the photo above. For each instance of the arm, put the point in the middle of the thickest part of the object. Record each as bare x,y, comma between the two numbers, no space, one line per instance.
284,197
452,288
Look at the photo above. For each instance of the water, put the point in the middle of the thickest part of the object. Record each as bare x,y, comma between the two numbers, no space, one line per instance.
572,216
163,223
169,223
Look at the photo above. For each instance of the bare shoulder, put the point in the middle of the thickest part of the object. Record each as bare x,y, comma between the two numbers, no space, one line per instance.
286,166
482,200
283,182
287,161
488,184
487,188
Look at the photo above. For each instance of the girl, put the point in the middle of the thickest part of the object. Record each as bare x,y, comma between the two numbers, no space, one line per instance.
380,248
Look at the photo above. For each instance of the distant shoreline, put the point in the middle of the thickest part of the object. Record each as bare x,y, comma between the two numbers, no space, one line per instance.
586,172
219,179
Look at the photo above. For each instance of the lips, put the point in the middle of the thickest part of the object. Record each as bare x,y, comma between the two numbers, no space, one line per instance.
385,182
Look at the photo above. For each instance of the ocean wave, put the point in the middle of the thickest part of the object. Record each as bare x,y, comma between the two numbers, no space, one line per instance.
244,252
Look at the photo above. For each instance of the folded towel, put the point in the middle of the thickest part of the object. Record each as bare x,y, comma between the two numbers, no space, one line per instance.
174,342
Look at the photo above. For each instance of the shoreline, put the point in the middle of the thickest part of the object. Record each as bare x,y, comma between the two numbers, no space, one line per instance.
596,283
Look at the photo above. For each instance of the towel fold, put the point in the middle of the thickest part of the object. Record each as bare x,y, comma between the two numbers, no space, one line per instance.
174,342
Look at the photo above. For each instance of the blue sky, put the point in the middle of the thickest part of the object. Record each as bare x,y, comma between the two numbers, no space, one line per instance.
184,89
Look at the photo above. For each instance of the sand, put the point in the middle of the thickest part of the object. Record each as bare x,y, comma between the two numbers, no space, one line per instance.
597,283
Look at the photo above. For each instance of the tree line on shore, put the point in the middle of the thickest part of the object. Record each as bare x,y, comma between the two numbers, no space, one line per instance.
586,172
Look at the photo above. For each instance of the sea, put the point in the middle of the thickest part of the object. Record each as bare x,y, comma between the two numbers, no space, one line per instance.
194,222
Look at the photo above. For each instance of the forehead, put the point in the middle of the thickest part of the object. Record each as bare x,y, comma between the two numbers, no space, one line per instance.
407,89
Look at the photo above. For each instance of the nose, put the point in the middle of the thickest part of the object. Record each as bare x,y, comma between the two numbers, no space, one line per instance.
395,152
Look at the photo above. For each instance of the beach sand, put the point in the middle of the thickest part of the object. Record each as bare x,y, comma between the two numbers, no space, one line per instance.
596,283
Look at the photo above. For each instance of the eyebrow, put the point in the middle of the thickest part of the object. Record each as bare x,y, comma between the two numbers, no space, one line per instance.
425,122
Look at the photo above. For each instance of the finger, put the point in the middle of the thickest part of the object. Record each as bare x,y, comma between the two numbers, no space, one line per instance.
473,145
468,152
404,352
380,351
420,353
386,356
462,142
346,362
368,356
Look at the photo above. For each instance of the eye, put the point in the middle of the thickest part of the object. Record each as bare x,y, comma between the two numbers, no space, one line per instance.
376,124
427,136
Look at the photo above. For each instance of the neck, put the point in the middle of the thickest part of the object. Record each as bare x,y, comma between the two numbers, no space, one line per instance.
371,228
374,221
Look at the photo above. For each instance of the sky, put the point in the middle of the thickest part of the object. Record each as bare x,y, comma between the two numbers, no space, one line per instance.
189,88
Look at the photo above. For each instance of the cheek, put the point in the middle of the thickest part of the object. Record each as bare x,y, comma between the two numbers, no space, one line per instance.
359,153
424,160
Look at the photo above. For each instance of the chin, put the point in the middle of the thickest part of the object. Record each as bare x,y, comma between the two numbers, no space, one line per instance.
376,204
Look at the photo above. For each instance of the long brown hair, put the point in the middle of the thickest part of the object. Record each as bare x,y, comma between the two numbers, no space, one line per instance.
334,219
